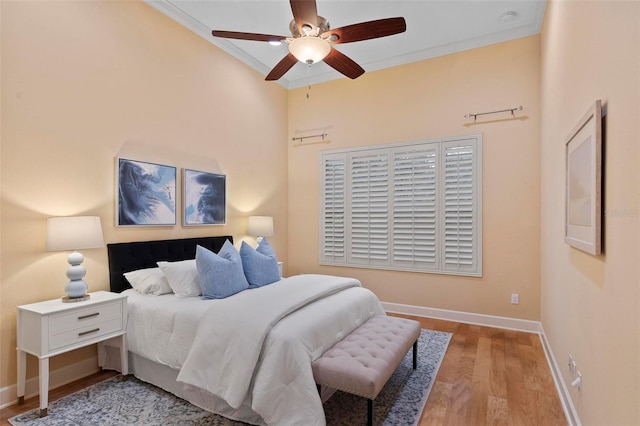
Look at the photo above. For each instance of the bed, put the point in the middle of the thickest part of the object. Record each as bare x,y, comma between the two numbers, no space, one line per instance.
247,357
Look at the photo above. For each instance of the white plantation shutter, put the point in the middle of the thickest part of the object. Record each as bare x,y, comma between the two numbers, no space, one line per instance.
333,208
369,213
460,230
414,206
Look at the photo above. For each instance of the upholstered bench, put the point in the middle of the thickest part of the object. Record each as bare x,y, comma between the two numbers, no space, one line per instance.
363,361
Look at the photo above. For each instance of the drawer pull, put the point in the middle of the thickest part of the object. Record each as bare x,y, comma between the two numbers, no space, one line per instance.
84,333
89,316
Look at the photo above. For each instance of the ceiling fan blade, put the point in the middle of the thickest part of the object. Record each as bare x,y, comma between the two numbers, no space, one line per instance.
342,63
366,30
247,36
281,67
304,12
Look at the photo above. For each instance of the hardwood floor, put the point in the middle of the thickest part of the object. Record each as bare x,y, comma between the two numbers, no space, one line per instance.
489,376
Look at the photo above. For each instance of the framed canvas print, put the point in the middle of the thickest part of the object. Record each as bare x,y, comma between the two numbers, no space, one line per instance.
583,213
146,194
204,198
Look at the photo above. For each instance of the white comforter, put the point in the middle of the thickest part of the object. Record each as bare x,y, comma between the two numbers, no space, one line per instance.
256,347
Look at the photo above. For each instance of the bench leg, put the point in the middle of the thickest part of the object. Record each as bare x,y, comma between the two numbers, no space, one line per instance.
370,412
415,355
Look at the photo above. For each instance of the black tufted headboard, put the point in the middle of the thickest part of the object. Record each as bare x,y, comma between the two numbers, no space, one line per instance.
126,257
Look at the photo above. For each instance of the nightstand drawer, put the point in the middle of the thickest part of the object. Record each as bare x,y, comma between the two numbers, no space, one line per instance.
83,318
81,334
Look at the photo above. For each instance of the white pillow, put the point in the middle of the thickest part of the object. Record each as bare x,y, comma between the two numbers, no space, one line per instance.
148,281
182,277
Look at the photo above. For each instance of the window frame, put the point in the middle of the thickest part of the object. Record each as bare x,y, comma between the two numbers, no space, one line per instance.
462,235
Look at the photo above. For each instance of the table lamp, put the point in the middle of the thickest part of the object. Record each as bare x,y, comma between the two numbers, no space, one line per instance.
74,233
260,226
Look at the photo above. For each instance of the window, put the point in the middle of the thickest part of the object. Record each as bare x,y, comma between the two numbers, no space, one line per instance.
413,206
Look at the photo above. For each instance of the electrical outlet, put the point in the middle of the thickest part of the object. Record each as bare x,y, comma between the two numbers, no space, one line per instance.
572,367
515,298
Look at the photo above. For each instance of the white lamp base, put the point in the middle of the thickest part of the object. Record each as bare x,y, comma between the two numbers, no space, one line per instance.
76,288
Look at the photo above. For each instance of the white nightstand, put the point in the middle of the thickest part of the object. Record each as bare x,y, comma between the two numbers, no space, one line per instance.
50,328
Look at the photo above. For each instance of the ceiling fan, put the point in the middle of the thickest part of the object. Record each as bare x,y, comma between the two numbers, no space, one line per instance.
312,39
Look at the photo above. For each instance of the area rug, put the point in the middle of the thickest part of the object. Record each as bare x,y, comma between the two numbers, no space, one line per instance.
133,402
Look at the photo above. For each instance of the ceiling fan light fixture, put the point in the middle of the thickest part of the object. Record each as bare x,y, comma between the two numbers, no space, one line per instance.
312,39
309,50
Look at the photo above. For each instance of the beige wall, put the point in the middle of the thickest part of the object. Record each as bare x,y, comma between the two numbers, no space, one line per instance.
85,81
427,100
591,305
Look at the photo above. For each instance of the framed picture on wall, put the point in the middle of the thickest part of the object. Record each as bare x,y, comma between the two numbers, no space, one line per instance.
204,198
583,214
146,194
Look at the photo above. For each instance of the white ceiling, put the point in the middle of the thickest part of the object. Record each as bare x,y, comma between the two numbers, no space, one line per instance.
434,28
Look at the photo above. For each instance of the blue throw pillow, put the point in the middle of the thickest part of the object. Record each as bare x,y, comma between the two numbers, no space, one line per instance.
220,275
260,265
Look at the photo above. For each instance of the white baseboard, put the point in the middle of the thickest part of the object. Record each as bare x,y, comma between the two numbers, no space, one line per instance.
465,317
499,322
563,392
57,378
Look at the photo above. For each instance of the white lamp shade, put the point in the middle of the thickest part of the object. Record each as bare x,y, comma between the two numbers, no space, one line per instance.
74,233
260,226
309,49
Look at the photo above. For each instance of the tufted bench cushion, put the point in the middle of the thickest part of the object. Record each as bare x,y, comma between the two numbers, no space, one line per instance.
362,362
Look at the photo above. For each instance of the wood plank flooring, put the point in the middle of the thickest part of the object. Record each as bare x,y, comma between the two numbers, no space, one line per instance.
489,376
